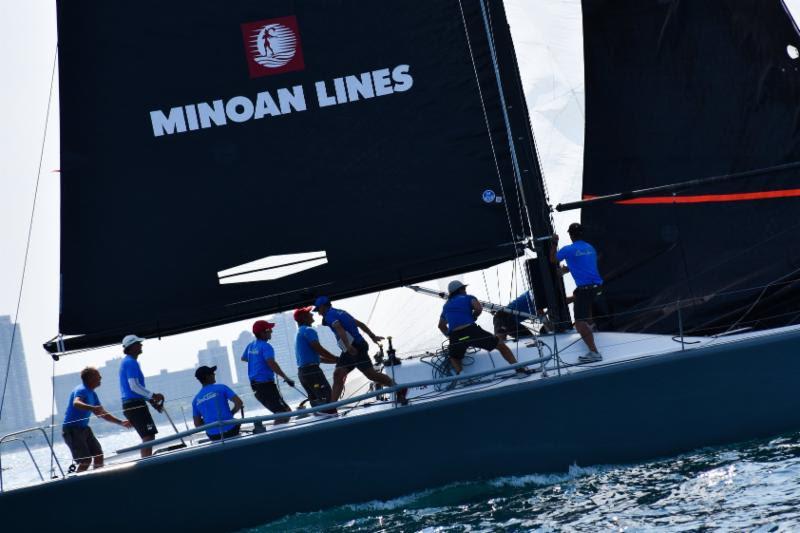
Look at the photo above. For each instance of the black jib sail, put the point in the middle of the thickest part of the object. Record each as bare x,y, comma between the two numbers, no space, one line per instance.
680,90
220,162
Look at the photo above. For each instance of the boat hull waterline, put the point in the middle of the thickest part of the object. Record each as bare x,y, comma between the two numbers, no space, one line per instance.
623,413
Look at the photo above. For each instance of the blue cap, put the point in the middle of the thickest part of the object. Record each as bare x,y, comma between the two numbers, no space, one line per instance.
322,300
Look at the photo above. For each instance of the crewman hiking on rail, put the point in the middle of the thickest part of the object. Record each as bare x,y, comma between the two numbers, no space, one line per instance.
261,369
355,350
211,404
78,436
134,394
581,259
457,323
310,353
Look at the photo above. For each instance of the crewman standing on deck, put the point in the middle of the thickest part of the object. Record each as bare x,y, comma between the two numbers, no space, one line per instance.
355,350
310,353
581,259
134,394
80,439
261,369
457,323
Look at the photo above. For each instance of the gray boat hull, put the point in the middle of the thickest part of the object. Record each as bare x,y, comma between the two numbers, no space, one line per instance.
624,413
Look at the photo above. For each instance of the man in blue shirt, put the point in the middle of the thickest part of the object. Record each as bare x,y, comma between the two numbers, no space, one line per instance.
509,324
78,436
457,323
309,353
355,350
581,259
211,404
261,369
135,395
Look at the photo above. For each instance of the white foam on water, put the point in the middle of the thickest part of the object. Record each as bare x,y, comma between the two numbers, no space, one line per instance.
574,472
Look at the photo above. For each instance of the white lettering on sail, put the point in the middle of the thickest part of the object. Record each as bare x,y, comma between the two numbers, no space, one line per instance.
240,109
174,123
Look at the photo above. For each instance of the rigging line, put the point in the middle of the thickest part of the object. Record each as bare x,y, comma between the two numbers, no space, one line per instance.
30,231
522,202
53,419
374,305
488,126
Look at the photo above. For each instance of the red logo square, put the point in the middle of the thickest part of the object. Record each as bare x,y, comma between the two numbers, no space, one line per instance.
272,46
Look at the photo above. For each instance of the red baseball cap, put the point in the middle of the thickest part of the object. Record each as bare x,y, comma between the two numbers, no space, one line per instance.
262,325
302,311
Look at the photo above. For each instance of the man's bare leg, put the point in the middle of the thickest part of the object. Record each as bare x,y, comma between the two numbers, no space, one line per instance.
386,381
586,334
507,354
339,377
98,461
147,452
456,364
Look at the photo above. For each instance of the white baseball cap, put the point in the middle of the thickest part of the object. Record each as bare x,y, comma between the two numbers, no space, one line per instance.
131,339
454,285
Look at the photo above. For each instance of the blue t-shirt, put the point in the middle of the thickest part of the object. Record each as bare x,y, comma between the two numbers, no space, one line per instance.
256,354
522,304
303,351
581,259
212,404
75,417
130,369
347,322
457,311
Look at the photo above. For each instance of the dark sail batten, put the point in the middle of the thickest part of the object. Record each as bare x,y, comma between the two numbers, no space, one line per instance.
693,88
361,132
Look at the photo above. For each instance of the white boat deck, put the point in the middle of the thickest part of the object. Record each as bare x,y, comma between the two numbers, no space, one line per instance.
482,371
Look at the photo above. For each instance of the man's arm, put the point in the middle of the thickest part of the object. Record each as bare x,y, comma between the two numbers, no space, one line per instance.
443,326
273,364
105,415
477,308
237,405
344,337
324,355
363,327
139,389
554,249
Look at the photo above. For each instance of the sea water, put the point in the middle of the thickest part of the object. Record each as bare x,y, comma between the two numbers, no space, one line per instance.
753,486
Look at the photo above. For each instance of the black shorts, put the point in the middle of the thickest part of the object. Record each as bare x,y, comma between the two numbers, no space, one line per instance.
315,383
506,323
228,434
584,299
270,397
360,360
471,335
137,412
82,443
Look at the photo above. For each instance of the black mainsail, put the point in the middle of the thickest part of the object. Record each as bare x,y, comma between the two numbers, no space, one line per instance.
679,90
220,163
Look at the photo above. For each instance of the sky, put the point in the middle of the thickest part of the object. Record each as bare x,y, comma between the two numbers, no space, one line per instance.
547,39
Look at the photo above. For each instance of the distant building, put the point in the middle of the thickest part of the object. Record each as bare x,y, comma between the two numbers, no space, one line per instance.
283,341
239,344
17,408
215,354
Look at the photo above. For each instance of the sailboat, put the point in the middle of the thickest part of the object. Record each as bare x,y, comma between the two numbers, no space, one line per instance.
391,143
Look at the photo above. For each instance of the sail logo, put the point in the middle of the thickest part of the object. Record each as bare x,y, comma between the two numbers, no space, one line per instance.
273,46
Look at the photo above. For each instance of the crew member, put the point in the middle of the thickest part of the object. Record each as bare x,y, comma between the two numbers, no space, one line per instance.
355,350
76,431
261,369
309,353
134,394
457,323
211,404
509,324
581,259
